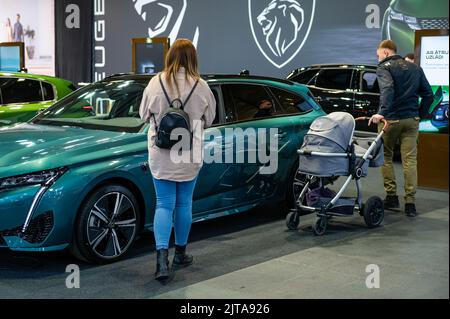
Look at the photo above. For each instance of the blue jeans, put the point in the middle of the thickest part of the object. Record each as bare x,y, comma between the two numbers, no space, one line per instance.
172,196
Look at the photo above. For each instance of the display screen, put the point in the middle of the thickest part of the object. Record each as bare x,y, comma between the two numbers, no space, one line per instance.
434,61
10,58
149,58
33,23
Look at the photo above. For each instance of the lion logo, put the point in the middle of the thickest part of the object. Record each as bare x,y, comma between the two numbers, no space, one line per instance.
163,18
281,27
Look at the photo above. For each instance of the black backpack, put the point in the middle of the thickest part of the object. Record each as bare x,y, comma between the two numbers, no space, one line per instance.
173,118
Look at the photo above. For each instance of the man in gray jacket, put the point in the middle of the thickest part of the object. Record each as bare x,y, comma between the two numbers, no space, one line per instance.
18,30
401,85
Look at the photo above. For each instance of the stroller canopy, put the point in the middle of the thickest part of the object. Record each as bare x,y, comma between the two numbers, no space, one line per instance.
338,127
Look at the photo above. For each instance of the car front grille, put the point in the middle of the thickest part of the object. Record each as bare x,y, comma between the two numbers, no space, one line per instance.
436,23
37,231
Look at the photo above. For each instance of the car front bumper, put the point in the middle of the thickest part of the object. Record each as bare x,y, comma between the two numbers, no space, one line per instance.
51,224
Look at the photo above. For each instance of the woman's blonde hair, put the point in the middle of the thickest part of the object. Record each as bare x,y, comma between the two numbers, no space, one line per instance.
182,54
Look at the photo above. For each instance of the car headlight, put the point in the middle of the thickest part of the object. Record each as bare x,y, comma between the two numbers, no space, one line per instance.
412,22
44,178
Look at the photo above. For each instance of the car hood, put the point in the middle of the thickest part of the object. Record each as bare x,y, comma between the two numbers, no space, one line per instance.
422,8
27,148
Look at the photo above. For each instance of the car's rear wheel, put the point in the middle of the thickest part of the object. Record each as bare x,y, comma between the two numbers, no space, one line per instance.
107,225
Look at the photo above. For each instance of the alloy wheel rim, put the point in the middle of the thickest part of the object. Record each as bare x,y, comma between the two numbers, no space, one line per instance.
111,225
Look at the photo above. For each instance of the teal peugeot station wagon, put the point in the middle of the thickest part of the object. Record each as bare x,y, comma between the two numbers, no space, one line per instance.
76,176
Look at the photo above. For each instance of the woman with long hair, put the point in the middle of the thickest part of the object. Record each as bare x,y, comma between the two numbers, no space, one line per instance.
9,31
175,182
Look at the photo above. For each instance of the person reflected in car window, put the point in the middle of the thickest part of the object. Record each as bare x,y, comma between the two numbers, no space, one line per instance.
265,109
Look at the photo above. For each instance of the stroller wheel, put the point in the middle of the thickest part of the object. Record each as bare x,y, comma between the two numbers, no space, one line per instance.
292,220
374,212
320,226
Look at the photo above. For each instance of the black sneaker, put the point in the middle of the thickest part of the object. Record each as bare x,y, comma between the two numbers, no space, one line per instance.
410,210
391,202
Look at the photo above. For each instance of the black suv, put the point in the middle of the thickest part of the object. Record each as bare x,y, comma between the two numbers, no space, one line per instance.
343,87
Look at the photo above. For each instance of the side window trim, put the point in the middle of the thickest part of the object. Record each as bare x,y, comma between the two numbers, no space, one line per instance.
42,91
313,80
353,79
276,106
226,91
219,104
55,92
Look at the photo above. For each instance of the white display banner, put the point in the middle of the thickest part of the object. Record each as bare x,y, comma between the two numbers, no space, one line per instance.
434,59
32,22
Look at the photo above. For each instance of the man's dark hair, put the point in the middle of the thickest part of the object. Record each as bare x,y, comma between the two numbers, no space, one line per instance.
410,56
388,44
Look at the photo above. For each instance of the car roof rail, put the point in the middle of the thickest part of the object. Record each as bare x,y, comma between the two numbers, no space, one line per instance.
247,76
352,65
119,74
214,77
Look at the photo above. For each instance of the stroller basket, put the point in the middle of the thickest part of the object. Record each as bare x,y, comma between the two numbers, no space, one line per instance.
321,197
343,206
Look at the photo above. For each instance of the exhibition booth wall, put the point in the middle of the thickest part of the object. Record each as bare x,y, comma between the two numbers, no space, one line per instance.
85,41
243,34
74,36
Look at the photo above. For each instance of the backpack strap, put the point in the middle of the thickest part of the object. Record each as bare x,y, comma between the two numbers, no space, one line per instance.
190,94
167,95
164,90
156,124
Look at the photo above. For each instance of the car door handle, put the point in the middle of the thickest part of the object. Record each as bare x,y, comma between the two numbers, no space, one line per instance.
281,135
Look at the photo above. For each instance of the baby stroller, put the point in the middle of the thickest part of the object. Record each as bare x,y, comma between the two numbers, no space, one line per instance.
329,151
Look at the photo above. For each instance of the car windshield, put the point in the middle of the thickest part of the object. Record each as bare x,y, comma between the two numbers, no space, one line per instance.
109,106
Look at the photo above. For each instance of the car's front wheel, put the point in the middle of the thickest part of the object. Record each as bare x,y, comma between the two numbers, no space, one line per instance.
107,225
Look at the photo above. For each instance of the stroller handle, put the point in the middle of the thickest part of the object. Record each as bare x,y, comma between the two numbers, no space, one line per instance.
366,118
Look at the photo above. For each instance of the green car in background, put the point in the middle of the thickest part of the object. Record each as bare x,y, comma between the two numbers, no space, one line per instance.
23,95
403,17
